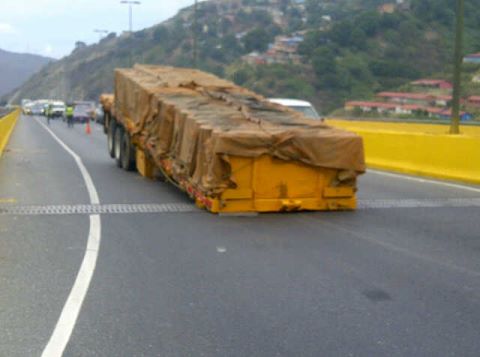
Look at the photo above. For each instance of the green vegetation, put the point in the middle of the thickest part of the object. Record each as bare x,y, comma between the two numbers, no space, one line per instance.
350,51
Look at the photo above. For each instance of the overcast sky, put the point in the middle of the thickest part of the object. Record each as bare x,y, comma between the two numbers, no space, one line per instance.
51,27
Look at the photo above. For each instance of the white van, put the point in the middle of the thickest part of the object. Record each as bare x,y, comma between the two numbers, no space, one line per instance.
302,106
58,109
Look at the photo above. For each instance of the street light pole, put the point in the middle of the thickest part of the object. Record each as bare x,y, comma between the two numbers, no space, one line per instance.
130,22
195,22
457,74
130,12
101,33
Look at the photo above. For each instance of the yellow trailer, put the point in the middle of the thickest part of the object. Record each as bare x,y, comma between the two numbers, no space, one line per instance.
228,148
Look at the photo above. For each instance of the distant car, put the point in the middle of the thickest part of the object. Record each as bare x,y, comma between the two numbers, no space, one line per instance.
27,109
301,106
37,109
82,113
57,109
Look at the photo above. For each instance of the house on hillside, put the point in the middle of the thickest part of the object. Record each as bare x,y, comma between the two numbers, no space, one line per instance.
283,50
432,84
387,8
240,35
403,5
443,100
474,101
367,107
446,114
384,108
472,58
424,99
407,98
254,58
403,109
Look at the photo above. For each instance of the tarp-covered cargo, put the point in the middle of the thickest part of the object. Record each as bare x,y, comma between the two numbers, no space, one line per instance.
194,125
107,101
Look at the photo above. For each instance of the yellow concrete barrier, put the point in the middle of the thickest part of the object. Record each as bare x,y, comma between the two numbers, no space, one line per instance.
402,127
420,149
7,123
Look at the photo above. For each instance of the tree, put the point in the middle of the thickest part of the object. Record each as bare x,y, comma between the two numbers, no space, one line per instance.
284,5
323,61
314,12
358,38
341,33
79,45
369,22
161,34
241,76
230,45
256,40
324,65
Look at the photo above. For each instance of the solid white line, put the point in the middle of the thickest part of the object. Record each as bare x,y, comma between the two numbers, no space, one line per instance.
92,192
422,180
68,317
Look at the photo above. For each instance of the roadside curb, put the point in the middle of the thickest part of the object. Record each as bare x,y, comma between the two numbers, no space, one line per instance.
7,124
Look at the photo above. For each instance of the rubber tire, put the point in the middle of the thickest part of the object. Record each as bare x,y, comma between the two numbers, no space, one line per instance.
118,145
128,153
106,120
111,138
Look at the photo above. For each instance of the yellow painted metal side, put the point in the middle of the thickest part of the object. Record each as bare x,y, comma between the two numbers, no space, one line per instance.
439,155
7,124
144,166
266,184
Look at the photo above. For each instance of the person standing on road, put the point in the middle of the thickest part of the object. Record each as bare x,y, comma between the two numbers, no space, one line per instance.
69,115
48,113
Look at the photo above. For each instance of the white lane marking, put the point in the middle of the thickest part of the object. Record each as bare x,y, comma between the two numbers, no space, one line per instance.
92,192
68,317
66,323
422,180
221,249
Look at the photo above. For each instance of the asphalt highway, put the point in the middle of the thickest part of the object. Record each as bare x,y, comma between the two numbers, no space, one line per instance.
398,277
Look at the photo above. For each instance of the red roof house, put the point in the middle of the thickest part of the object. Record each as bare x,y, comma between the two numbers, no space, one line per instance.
433,83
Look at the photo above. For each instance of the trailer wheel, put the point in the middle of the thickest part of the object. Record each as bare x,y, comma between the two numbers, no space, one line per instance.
106,120
127,152
118,145
111,138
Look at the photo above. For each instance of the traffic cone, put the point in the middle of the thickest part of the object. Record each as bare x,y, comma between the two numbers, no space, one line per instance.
88,130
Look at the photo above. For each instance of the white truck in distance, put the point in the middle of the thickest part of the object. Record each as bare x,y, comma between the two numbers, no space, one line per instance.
301,106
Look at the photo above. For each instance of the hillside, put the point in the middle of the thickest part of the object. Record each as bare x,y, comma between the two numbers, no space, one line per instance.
16,68
351,48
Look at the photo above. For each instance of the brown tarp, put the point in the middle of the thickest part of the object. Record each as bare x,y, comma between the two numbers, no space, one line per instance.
199,120
107,101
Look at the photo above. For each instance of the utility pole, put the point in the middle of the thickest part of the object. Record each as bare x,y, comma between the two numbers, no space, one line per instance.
457,74
101,33
130,14
195,34
130,23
